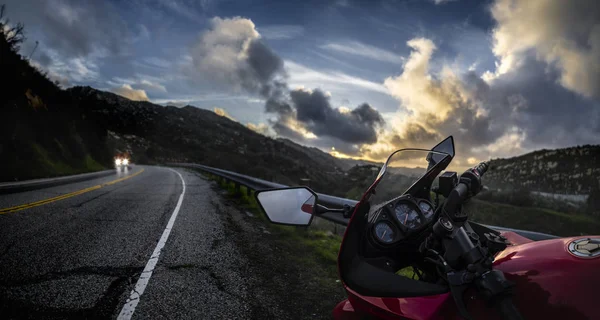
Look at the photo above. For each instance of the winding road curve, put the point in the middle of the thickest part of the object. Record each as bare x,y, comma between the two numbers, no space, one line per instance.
146,243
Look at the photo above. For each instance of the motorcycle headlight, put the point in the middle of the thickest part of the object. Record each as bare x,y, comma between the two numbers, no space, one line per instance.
125,162
118,161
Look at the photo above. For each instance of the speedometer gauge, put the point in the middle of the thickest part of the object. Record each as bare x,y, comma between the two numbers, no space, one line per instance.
426,209
407,216
384,232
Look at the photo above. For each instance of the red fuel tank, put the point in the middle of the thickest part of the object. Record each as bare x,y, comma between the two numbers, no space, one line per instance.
555,279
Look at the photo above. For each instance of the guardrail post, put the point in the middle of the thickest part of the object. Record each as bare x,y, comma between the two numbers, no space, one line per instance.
238,189
248,191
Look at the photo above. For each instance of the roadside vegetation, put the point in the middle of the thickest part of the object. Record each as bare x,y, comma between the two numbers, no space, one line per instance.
532,218
298,266
324,244
42,131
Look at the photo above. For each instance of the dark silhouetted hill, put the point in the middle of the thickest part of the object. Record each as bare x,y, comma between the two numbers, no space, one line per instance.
42,132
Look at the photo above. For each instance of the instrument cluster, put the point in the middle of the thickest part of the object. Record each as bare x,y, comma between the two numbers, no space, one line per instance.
401,217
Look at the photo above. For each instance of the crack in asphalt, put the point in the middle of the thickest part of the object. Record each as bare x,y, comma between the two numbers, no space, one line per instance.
218,281
11,308
79,205
86,270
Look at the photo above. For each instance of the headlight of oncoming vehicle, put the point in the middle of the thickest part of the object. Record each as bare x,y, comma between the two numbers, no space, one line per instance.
118,161
125,162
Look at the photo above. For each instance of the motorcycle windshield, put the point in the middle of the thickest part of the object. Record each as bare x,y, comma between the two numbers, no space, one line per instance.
407,171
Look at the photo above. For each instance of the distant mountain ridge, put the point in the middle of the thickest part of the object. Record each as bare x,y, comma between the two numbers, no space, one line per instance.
156,134
563,171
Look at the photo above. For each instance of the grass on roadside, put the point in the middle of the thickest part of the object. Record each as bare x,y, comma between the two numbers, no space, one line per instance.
323,245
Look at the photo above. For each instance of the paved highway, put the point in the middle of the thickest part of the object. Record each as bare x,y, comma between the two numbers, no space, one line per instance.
94,249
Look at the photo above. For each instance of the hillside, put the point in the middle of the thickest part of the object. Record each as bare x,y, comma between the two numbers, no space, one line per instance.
155,134
563,171
42,131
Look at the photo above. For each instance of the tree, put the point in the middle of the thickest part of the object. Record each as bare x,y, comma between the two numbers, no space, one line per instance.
13,35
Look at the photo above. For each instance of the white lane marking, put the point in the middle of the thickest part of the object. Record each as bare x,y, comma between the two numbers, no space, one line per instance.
140,286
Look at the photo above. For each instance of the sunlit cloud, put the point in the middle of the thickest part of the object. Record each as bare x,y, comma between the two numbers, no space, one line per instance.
132,94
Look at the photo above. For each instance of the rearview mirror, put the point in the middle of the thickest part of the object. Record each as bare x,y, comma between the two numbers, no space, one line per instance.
290,206
444,147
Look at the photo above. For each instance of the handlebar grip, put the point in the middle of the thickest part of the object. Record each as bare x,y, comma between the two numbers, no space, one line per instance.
481,168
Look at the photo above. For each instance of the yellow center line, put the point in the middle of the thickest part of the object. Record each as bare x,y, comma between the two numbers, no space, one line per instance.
65,196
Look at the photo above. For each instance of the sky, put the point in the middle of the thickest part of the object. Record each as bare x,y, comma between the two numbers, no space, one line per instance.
353,78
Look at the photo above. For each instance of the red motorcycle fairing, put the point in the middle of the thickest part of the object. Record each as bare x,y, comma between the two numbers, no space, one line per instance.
551,283
427,307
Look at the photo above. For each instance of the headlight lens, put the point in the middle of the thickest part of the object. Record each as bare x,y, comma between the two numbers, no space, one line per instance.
117,161
125,161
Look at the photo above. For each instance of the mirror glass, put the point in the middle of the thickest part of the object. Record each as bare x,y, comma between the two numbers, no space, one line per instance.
445,147
293,206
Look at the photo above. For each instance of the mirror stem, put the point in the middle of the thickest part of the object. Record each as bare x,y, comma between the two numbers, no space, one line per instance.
346,210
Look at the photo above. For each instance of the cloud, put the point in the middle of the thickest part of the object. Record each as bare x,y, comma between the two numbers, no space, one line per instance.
303,75
144,84
151,86
260,128
76,70
155,62
363,50
438,2
564,34
183,9
232,53
74,28
310,115
522,109
143,34
132,94
221,112
281,32
174,103
77,39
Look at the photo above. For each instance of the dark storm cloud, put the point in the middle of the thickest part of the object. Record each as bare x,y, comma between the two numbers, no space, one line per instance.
233,53
278,107
263,64
532,98
315,112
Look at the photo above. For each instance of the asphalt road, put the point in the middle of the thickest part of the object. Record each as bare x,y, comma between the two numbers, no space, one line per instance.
82,255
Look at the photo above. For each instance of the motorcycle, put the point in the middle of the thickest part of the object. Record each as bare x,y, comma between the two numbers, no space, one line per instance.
404,224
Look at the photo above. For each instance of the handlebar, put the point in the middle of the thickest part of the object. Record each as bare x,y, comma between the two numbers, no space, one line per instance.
460,251
469,185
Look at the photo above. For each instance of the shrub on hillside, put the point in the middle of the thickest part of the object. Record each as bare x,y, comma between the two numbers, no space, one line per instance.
517,197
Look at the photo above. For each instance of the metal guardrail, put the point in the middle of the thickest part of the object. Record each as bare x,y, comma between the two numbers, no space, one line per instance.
252,183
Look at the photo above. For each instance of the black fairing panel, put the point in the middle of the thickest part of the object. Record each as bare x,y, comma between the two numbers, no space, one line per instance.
369,280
